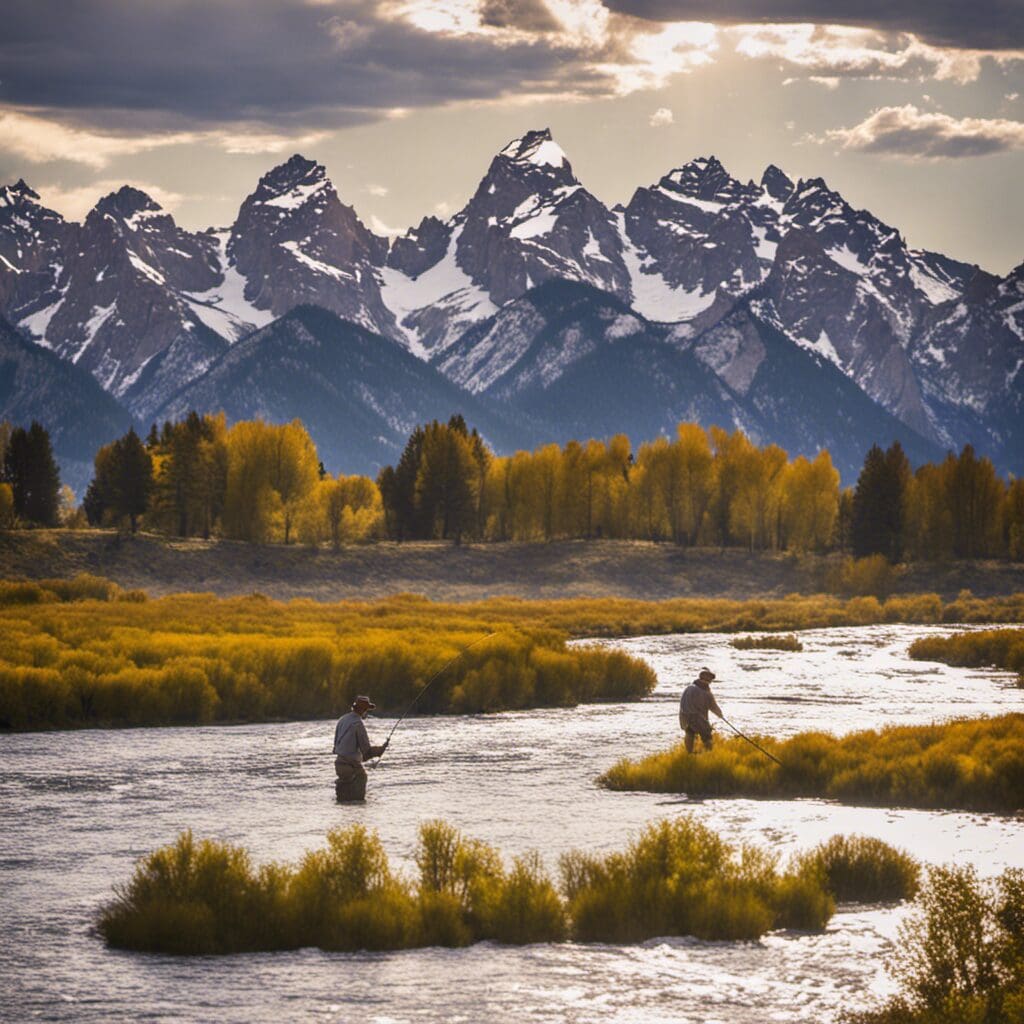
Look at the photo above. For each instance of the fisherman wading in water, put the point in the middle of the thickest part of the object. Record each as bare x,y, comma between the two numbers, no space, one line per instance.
694,705
351,748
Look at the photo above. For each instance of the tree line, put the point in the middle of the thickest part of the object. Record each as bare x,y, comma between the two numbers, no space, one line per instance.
263,483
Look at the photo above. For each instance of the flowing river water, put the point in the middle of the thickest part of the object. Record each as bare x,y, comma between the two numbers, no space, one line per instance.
80,807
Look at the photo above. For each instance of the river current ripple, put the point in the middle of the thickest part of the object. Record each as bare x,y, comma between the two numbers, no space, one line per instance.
80,807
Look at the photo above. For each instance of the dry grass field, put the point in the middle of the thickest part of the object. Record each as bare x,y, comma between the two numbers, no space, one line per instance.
597,568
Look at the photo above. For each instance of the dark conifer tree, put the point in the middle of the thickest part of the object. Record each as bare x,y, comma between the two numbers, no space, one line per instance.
876,526
30,469
133,479
408,523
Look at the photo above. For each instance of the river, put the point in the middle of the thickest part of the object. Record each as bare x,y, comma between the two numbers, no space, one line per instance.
80,807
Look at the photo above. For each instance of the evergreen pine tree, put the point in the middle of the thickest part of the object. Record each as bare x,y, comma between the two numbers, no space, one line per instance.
876,526
30,469
133,480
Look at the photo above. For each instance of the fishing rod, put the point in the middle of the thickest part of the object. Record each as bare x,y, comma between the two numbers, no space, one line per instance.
430,682
750,741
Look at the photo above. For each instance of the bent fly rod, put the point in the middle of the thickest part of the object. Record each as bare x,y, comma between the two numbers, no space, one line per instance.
750,741
430,682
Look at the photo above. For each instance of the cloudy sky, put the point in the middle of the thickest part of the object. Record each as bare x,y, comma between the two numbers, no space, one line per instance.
913,109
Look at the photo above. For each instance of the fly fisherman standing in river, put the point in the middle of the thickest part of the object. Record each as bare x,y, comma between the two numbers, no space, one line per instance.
694,705
351,748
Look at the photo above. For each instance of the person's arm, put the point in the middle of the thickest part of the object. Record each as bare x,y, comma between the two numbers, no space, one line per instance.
363,740
366,748
713,706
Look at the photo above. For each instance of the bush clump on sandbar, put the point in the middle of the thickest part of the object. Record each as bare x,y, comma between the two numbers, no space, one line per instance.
676,878
784,642
971,764
960,955
863,869
1000,648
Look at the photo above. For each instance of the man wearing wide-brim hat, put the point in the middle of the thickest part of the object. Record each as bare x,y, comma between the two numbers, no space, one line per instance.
351,743
694,705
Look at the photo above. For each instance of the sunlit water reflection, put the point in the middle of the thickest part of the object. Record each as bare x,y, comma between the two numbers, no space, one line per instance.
78,808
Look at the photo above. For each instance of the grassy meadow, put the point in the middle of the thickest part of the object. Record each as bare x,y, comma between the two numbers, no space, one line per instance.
971,764
85,652
676,878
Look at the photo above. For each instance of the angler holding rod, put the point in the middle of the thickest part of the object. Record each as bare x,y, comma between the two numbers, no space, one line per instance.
697,700
352,743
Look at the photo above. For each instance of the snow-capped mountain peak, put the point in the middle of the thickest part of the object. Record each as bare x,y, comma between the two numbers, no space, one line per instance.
293,184
18,194
127,204
705,179
536,148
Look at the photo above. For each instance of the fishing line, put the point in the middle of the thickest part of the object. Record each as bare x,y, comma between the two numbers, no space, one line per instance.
750,741
430,682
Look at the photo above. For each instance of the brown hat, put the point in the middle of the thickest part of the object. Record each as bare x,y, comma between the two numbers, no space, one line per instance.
364,700
706,674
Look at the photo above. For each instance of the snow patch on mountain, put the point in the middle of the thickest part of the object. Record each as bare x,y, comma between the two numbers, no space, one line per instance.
224,308
653,297
445,284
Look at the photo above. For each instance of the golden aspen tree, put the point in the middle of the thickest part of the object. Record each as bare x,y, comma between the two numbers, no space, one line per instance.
810,504
271,470
696,480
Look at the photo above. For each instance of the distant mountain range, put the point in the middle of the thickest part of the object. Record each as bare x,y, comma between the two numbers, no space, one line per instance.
535,310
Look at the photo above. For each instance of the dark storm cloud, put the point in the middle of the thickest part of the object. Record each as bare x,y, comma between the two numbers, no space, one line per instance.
283,62
980,25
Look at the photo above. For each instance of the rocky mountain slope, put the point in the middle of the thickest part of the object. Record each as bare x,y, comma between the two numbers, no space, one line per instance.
148,308
81,416
359,394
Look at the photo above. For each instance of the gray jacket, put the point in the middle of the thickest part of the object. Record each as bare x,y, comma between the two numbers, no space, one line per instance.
350,739
697,701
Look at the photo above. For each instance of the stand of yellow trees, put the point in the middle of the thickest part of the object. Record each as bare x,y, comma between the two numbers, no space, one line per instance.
262,483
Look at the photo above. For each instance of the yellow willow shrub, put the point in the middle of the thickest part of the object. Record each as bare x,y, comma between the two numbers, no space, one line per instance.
197,898
971,764
466,895
863,868
785,642
680,878
677,878
82,587
873,575
959,956
264,658
1003,648
346,898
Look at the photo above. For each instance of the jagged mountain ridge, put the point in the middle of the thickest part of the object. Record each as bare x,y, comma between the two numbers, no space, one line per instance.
148,307
587,364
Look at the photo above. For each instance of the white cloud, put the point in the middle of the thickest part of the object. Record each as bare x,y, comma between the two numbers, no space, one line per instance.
40,140
662,116
828,51
43,140
915,134
377,190
77,201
